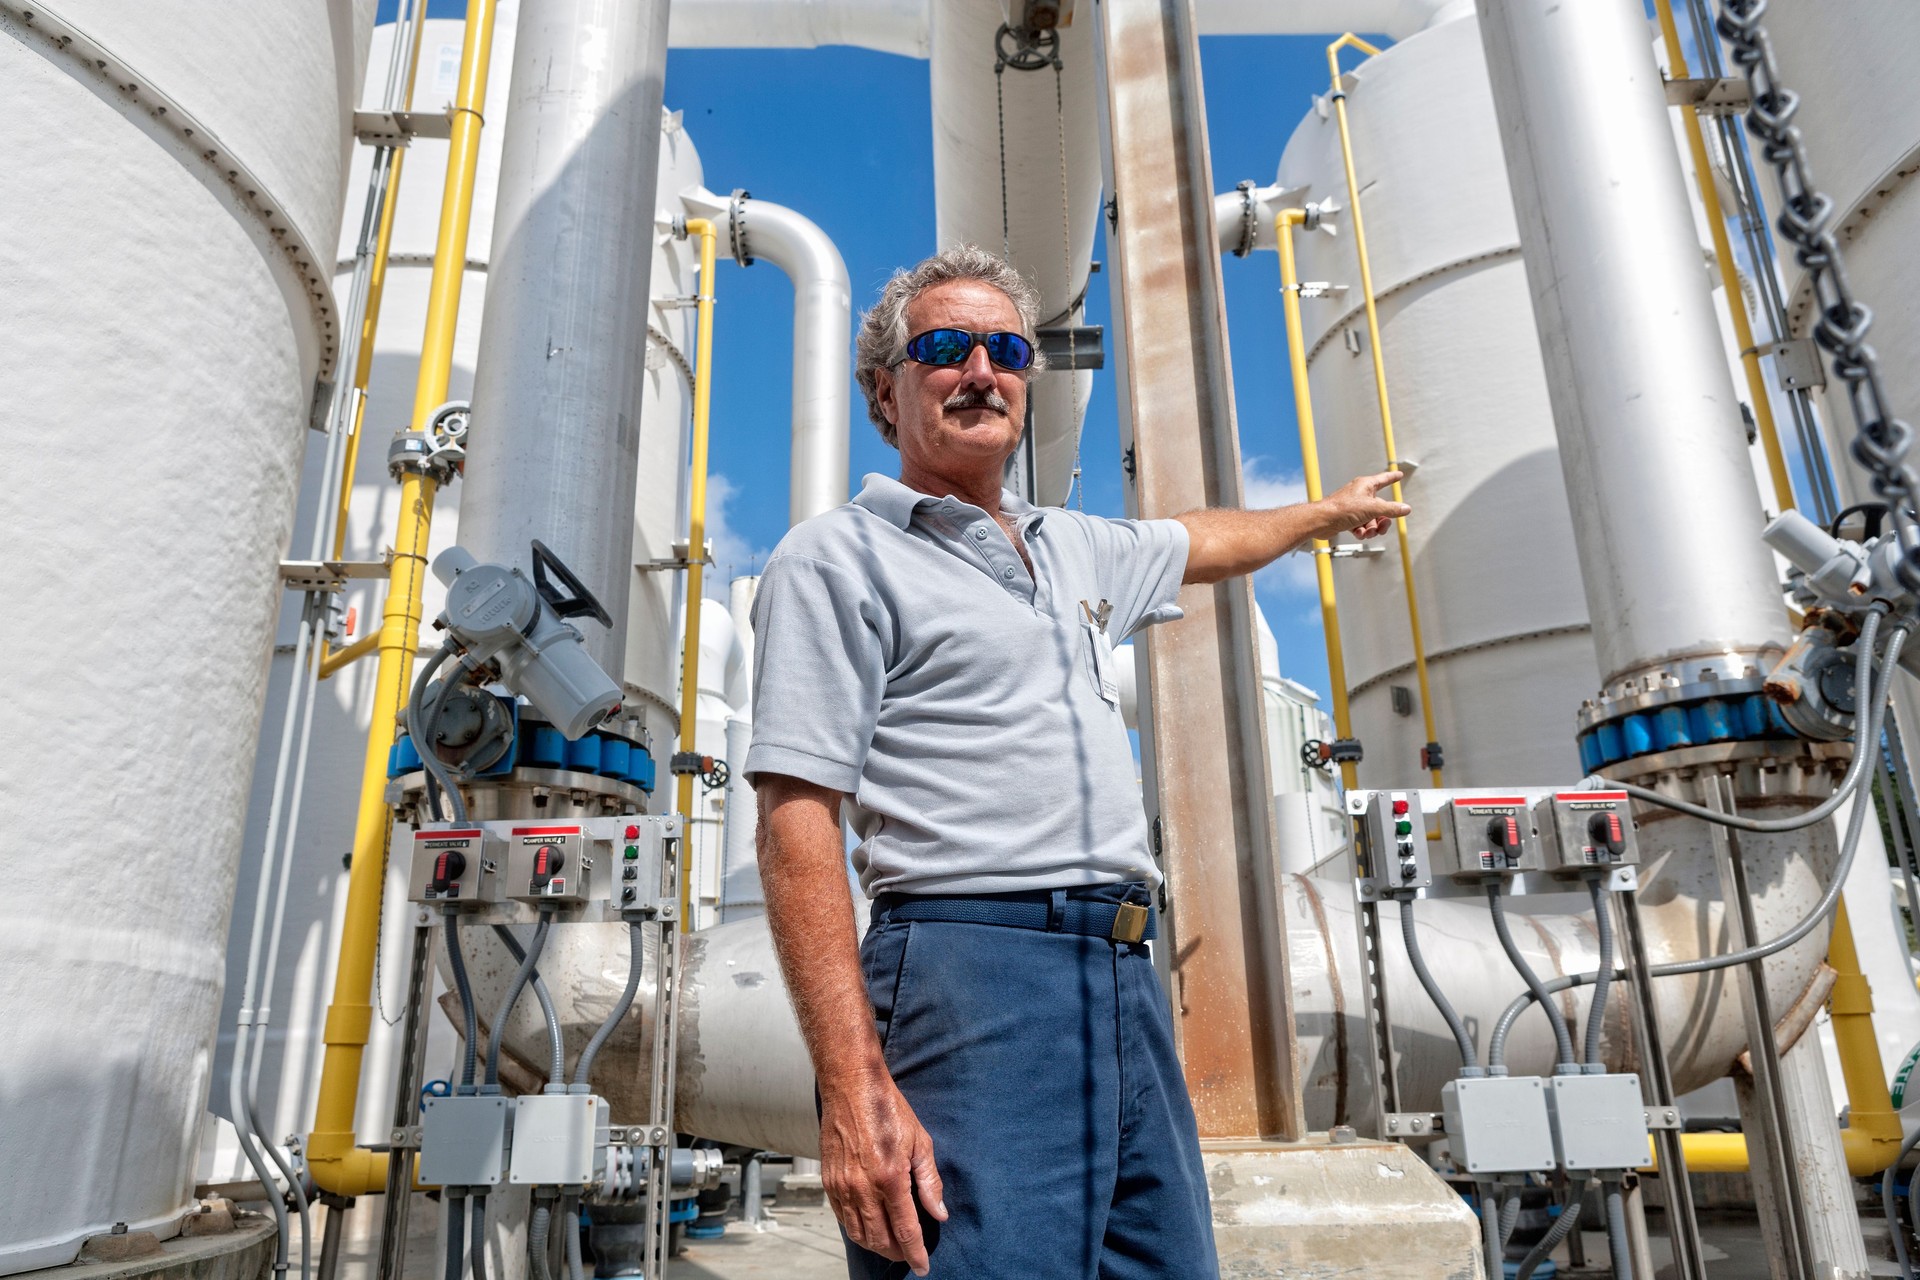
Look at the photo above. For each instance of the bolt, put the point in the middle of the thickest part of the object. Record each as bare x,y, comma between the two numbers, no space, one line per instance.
1417,1125
1393,1125
1672,1118
119,1229
1342,1133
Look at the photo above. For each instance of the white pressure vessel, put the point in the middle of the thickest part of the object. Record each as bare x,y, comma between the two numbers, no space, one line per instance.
173,185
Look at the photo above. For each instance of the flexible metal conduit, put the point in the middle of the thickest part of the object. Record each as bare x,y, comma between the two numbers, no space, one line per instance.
336,1163
1339,96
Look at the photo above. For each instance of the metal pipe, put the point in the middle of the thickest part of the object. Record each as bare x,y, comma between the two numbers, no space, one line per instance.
1643,401
704,229
1310,467
558,379
1430,753
1703,181
336,1163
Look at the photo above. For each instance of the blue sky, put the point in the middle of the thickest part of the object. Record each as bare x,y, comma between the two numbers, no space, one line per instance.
845,137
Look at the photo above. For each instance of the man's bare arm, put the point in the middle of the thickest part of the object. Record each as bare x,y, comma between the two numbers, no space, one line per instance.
874,1152
1226,543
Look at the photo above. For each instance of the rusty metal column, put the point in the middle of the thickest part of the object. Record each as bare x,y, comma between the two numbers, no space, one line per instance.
1203,742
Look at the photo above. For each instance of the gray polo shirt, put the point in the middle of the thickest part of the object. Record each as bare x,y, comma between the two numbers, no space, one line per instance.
903,655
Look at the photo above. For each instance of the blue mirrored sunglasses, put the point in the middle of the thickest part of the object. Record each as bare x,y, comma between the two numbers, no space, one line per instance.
953,346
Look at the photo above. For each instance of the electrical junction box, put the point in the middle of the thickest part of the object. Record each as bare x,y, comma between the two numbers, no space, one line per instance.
1498,1124
553,1139
1487,836
1396,842
1587,830
548,864
463,1141
454,865
636,851
1599,1122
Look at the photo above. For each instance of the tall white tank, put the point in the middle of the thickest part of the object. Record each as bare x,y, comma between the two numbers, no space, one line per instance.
167,318
1505,618
289,1073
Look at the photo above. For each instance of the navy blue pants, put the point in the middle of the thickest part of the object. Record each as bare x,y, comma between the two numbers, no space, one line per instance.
1042,1065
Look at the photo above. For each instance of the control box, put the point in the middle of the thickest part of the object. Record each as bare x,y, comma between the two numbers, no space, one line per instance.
1586,830
453,865
640,854
463,1141
549,863
1396,842
553,1138
1487,836
1499,1124
1599,1122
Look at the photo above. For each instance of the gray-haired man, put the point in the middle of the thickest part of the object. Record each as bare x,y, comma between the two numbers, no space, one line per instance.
935,660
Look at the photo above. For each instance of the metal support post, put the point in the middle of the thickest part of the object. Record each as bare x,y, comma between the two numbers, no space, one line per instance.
406,1105
1208,766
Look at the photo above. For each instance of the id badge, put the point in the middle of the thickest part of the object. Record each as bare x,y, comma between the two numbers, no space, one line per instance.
1104,676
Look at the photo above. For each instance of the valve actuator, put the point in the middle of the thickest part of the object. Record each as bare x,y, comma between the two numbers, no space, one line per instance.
455,866
549,863
1584,831
1487,835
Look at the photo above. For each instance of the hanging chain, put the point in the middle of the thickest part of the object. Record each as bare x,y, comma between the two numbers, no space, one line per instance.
1806,217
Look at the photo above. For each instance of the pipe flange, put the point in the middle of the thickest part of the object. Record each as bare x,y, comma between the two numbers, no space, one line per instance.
1709,698
1765,774
737,227
1249,218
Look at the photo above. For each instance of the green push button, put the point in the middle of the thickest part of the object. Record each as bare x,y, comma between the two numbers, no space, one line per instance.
1403,828
633,852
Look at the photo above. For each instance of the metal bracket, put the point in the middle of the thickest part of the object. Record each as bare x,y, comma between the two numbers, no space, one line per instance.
1415,1124
679,559
1714,96
1664,1118
398,128
1347,552
1797,360
1081,346
404,1137
1319,288
328,575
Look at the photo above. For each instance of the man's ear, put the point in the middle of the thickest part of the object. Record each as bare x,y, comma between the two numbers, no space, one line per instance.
884,393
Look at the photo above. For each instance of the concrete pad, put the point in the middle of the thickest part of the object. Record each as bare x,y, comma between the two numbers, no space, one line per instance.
1319,1210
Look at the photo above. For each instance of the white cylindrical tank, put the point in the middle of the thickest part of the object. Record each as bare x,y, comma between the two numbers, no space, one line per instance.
165,324
1505,618
722,681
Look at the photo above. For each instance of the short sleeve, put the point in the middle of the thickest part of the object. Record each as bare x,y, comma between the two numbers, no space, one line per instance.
1139,565
819,668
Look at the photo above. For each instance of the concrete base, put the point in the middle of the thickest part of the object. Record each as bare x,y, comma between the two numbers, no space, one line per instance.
1321,1210
244,1253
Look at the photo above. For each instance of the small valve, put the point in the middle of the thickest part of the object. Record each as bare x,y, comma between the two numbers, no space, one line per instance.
448,866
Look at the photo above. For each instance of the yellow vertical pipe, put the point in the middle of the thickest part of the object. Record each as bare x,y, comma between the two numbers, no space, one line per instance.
1380,379
696,551
1729,272
1310,465
336,1163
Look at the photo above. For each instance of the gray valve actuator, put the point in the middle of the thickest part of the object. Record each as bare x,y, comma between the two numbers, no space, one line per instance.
498,615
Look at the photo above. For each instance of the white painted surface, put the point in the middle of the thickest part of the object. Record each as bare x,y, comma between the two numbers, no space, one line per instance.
160,359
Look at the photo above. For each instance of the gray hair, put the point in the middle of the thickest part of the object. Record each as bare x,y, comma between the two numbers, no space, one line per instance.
882,342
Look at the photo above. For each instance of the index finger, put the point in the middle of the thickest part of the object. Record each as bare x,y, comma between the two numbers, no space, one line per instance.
1385,478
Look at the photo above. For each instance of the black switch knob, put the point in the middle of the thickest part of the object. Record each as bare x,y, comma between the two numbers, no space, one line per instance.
547,862
1504,833
1607,832
448,867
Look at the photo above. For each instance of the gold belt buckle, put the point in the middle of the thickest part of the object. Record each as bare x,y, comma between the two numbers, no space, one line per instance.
1129,922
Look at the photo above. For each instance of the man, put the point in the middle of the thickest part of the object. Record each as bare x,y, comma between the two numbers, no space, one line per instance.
999,1095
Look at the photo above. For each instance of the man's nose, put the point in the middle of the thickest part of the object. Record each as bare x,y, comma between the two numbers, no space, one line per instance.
978,371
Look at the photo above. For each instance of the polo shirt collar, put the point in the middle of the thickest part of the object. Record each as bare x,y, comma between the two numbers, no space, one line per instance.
895,503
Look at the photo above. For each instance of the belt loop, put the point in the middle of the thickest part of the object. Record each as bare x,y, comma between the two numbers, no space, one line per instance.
1056,910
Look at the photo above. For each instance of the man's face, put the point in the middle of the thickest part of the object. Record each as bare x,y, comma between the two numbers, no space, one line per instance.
966,415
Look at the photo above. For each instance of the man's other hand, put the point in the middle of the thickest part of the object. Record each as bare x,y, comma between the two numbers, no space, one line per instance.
1357,508
874,1157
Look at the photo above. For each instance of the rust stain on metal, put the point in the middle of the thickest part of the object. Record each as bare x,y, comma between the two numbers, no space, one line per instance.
1339,998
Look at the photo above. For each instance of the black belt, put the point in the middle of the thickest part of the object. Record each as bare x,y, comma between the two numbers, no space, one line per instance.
1052,913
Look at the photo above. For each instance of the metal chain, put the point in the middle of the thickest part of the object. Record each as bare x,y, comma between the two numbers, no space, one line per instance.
1882,440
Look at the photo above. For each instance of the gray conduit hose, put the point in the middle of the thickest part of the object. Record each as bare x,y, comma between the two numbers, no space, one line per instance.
1597,1010
537,1229
417,730
570,1223
497,1030
244,1129
584,1067
1509,1219
1562,1038
477,1247
456,1211
1468,1059
1562,1228
1863,688
556,1047
457,962
1889,1201
1619,1250
1490,1233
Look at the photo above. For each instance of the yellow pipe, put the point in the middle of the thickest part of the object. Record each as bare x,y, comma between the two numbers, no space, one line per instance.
338,1165
1310,465
1872,1137
1380,379
334,659
1729,272
696,548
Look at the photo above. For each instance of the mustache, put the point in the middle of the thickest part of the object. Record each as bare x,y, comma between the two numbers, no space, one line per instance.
976,398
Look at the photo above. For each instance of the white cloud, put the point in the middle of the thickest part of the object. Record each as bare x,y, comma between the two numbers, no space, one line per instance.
1264,485
734,555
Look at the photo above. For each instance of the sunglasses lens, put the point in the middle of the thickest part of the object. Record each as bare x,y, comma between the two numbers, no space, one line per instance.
941,346
1009,350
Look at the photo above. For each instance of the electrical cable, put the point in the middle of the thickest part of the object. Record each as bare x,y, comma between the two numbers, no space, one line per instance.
497,1030
1889,1201
583,1069
417,723
1603,979
477,1246
1562,1228
456,1211
1490,1233
1497,1042
1856,768
469,1017
1563,1039
1468,1059
538,1226
556,1046
570,1223
1619,1250
1509,1219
